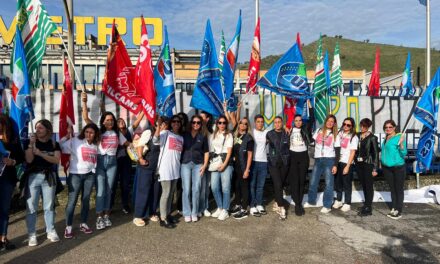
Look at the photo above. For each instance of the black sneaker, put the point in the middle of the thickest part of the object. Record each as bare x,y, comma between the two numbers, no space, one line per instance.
298,211
126,210
365,211
6,245
236,209
240,215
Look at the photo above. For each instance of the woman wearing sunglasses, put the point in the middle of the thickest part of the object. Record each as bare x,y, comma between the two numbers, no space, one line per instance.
278,142
327,154
393,166
195,159
220,147
168,168
344,177
367,162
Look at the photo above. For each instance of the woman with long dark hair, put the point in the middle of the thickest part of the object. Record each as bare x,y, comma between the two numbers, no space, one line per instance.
327,154
106,166
195,159
393,166
367,164
42,153
83,151
8,176
344,176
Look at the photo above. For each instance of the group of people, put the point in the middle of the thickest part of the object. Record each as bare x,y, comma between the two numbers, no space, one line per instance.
229,156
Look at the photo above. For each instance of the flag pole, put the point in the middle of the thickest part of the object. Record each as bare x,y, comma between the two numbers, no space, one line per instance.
428,43
71,62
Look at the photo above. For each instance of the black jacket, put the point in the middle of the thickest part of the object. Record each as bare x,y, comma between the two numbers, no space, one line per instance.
368,150
307,129
278,149
243,155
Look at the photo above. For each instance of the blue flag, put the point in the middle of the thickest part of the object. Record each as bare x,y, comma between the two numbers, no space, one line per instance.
426,111
423,2
21,111
208,94
163,81
406,87
230,61
287,76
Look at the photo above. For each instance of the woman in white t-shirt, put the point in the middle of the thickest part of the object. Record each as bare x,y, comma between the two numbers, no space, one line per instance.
106,166
344,177
327,153
168,134
220,148
83,151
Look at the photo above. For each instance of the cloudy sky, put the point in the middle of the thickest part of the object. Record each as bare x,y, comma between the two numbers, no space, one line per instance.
398,22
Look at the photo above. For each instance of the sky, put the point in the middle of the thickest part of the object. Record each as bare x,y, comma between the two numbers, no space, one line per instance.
397,22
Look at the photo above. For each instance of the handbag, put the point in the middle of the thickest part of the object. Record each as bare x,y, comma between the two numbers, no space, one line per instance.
216,160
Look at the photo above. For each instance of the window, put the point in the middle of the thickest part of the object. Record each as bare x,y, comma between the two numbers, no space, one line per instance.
56,75
89,74
179,86
101,73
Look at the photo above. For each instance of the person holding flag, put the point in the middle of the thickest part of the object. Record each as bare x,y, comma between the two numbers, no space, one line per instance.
11,155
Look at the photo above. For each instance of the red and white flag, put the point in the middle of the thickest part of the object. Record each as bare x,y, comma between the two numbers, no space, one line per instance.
119,80
290,110
67,114
254,63
144,77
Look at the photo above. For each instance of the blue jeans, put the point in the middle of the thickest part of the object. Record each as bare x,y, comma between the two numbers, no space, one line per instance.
105,178
77,183
221,187
144,180
191,185
204,192
258,178
6,190
322,166
38,185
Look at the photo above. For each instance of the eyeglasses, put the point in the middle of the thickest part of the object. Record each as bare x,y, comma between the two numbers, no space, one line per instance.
196,122
221,123
347,125
175,121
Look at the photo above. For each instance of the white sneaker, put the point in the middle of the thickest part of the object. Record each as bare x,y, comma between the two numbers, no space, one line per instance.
32,240
223,215
307,205
207,213
107,221
282,213
254,212
261,209
216,213
325,210
53,236
345,208
337,205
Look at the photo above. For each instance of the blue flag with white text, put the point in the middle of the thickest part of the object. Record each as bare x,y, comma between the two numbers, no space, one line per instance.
287,76
163,82
208,94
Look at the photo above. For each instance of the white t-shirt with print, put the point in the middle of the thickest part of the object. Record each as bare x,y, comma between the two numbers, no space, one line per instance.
216,143
260,146
348,143
325,145
171,146
109,143
297,143
83,155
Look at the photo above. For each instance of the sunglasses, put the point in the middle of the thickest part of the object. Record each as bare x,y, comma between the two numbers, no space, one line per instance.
347,125
196,122
244,124
389,127
221,123
175,121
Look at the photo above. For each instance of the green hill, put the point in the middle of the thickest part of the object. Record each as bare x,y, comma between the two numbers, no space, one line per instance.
357,55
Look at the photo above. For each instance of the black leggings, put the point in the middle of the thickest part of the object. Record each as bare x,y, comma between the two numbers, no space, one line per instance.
241,188
279,175
343,183
299,166
395,177
364,172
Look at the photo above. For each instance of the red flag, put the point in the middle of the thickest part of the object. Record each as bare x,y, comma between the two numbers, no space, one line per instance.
254,63
374,86
298,41
119,82
290,110
144,78
67,115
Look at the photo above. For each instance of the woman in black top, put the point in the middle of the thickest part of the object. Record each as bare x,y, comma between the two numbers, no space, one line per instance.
278,141
242,153
367,162
42,153
195,158
8,176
